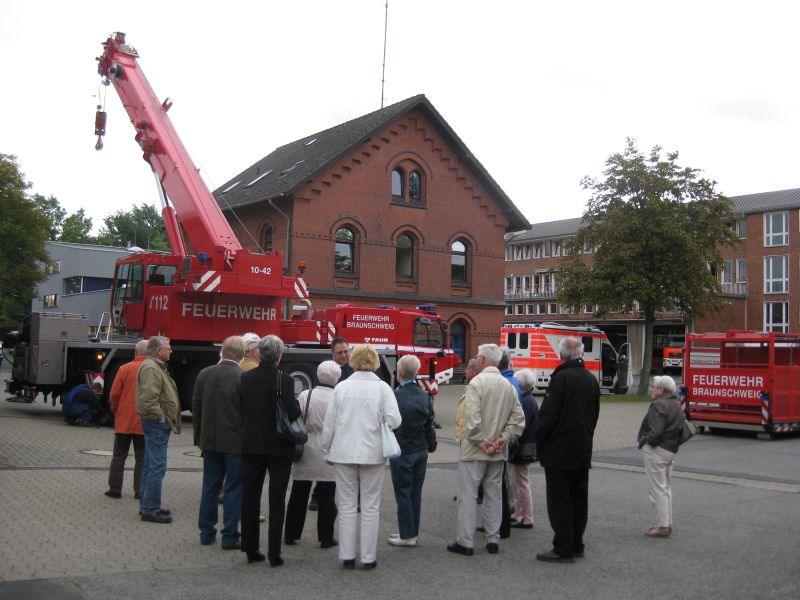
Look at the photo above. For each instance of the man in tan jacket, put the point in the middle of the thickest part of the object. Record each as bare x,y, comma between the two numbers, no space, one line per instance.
158,406
492,417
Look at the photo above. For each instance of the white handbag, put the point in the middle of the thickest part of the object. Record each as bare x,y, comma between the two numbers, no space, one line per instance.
391,449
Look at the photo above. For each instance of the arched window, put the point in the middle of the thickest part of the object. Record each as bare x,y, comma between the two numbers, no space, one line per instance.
404,264
458,263
345,250
268,239
414,186
397,183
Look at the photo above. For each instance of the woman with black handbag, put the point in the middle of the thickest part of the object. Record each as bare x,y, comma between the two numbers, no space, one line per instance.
522,452
263,450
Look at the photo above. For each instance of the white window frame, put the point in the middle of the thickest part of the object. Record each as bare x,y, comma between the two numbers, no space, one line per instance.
529,309
777,326
509,252
741,270
546,250
552,308
778,237
518,309
537,250
517,252
526,251
741,228
509,310
541,308
727,271
556,247
776,284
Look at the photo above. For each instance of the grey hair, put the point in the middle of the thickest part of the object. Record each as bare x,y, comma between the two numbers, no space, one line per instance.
141,348
526,379
666,383
491,353
250,341
271,348
328,372
408,367
570,348
155,343
505,358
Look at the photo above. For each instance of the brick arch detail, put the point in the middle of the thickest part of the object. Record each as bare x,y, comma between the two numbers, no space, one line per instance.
466,236
408,229
348,221
395,160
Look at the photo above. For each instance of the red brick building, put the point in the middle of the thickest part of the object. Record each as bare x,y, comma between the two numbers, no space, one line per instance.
389,208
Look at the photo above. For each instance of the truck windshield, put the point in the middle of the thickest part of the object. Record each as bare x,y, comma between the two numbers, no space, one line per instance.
430,333
161,274
128,283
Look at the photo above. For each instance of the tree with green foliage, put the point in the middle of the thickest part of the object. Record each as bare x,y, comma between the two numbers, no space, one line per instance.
22,252
51,208
656,228
76,228
141,226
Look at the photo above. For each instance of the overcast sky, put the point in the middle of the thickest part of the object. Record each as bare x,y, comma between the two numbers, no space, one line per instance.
541,92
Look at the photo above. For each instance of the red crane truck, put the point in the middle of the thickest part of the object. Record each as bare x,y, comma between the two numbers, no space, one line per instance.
208,288
743,380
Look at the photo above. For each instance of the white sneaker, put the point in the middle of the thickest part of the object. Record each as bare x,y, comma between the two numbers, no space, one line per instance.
398,541
394,535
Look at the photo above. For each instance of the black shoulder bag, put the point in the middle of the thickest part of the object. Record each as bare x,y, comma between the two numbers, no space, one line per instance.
287,430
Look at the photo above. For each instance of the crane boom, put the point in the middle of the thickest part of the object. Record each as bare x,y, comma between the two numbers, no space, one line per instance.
196,209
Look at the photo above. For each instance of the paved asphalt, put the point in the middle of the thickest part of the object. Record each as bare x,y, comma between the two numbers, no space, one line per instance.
736,503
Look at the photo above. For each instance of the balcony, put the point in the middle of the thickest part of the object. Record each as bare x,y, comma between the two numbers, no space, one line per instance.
735,290
535,293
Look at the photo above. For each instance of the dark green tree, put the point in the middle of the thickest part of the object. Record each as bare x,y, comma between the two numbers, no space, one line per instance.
141,226
656,228
22,253
51,208
77,228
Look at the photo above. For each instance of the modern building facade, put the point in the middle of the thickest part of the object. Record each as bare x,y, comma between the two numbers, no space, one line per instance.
79,281
760,279
387,209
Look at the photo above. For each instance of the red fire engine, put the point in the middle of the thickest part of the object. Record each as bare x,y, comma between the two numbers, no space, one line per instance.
209,287
743,380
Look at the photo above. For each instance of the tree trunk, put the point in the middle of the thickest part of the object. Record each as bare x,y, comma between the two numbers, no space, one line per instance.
647,354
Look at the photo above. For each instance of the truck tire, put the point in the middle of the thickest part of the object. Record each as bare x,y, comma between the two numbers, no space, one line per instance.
304,375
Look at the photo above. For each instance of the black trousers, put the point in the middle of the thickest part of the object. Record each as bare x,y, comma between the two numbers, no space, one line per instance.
298,505
254,470
567,508
122,445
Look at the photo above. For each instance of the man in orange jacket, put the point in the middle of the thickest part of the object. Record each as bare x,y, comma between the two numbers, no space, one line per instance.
127,425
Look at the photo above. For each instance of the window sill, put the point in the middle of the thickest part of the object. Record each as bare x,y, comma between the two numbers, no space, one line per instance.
408,203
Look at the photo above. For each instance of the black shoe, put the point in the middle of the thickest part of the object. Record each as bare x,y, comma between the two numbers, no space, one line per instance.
137,496
275,561
329,544
521,525
111,494
492,548
504,535
157,518
237,545
551,556
313,506
165,511
579,554
255,557
459,549
370,566
349,563
289,541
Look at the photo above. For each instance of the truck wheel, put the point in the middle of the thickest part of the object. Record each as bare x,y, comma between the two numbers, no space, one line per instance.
304,377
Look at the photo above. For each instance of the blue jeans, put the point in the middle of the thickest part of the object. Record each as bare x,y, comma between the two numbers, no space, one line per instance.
156,438
219,467
408,475
77,410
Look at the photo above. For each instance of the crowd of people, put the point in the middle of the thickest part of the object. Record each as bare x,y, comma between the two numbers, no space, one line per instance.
500,430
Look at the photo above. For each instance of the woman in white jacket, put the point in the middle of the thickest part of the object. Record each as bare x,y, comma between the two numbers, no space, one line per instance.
351,438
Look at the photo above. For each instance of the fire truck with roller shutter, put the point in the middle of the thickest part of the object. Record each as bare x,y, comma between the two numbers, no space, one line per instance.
534,346
208,288
743,380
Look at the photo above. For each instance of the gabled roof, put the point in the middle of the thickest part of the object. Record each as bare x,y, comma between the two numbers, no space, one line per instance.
550,229
287,168
766,201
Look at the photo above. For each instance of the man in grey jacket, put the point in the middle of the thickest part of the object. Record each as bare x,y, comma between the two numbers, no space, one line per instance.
217,421
492,417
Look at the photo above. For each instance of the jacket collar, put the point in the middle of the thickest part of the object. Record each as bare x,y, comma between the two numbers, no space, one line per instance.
576,363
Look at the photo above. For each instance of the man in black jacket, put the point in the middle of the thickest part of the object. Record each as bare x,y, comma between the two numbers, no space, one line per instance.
566,428
217,421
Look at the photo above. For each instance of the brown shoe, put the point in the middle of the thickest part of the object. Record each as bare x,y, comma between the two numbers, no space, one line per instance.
551,556
659,532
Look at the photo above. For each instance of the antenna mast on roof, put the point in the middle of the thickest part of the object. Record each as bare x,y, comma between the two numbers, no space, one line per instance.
385,29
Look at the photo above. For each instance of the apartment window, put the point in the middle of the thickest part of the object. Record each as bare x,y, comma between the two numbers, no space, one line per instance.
529,309
54,266
509,285
727,272
552,308
565,309
518,308
344,250
509,253
50,301
776,229
588,309
526,283
541,309
741,271
545,249
741,227
556,246
509,310
518,252
72,285
776,274
527,251
537,250
565,248
458,263
776,317
404,260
